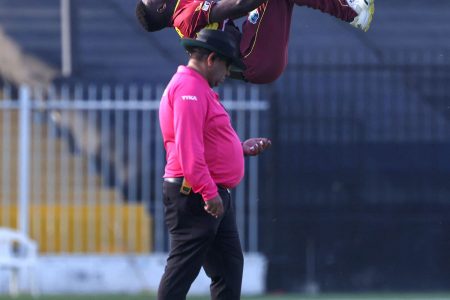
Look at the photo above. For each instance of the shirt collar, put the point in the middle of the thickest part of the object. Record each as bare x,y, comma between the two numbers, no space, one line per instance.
192,72
188,71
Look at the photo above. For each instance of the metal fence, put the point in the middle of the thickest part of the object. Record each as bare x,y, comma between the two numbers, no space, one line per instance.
363,126
361,171
81,166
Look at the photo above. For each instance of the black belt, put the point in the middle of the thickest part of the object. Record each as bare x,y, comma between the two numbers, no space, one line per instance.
179,180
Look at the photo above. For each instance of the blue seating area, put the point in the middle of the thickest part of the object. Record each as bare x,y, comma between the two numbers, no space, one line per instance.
34,26
398,25
110,46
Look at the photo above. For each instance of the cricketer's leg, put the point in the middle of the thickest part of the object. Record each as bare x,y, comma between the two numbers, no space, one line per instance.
264,42
265,33
338,8
358,13
224,261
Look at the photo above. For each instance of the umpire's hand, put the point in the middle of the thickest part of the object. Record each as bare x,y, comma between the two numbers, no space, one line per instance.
255,146
214,206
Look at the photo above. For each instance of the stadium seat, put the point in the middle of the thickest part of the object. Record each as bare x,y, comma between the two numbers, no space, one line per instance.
18,255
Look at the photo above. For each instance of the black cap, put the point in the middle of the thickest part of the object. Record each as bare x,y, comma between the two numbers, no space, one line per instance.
221,42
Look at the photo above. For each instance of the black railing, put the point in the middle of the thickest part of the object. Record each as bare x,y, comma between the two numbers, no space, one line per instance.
360,169
379,132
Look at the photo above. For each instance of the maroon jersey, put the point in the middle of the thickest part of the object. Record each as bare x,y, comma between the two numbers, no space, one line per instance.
264,42
265,33
191,16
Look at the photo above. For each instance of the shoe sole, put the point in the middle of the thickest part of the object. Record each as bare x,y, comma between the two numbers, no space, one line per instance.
365,17
371,12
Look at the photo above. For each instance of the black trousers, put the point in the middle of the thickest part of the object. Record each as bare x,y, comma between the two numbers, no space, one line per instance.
198,239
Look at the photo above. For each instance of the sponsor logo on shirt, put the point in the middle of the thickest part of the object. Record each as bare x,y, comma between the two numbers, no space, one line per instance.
189,98
214,26
253,16
206,6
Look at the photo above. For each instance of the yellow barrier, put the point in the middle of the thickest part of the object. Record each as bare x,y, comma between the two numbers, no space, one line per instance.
100,228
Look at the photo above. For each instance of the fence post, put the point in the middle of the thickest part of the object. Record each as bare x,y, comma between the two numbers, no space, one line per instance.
253,173
159,224
24,156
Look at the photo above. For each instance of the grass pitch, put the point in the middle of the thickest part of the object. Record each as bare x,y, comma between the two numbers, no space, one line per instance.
433,296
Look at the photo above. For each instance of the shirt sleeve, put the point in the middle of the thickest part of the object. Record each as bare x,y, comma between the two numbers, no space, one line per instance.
190,112
192,17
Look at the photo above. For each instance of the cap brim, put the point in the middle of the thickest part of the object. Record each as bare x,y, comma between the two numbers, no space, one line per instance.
237,65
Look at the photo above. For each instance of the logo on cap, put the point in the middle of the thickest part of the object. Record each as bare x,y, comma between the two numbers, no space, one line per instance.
206,6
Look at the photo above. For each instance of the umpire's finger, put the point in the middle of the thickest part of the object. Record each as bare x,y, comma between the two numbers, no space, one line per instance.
211,210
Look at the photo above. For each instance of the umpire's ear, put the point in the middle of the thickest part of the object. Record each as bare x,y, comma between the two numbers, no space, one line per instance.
211,58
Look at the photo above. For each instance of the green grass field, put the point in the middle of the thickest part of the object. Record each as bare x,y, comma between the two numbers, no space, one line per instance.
434,296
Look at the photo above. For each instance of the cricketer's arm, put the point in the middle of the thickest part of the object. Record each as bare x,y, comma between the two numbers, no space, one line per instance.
232,9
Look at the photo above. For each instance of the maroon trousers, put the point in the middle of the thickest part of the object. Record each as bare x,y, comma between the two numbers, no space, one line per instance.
265,35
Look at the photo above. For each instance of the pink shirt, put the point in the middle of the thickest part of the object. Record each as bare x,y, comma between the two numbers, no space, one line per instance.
200,142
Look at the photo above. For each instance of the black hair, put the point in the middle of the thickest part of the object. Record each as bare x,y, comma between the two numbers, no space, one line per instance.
200,53
150,20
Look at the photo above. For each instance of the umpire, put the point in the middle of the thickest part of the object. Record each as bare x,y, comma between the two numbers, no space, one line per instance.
205,158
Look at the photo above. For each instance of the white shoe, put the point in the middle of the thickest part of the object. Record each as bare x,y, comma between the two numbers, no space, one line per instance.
365,10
